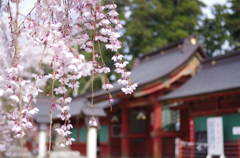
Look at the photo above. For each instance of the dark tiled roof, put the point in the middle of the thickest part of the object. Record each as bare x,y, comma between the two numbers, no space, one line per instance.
222,76
98,108
158,65
77,106
87,111
44,104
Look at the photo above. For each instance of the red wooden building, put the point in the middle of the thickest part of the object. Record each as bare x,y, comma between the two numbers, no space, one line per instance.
213,91
178,90
136,127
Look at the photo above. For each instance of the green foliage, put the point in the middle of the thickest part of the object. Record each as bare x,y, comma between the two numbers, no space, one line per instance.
151,24
225,26
233,23
213,32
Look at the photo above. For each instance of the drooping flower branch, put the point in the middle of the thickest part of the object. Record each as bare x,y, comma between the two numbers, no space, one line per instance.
57,27
5,138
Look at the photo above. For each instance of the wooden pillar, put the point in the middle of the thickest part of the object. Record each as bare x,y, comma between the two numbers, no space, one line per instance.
157,147
157,127
184,124
157,120
124,132
192,137
42,148
92,142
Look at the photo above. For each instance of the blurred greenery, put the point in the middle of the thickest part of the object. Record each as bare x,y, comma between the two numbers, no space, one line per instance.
233,23
151,24
213,31
223,28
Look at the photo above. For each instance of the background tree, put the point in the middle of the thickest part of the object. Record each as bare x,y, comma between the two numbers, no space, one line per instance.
233,23
213,31
151,24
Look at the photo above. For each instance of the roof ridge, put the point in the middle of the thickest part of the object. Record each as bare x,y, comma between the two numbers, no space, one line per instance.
165,47
224,56
221,60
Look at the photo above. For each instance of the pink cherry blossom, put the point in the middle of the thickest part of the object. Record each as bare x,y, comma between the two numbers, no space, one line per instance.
120,57
114,58
33,111
107,86
60,90
59,31
92,122
69,141
127,90
122,81
126,74
118,26
111,5
113,13
20,135
105,22
106,69
103,38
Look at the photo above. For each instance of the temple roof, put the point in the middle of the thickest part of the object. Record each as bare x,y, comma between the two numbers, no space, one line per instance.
159,63
217,74
78,106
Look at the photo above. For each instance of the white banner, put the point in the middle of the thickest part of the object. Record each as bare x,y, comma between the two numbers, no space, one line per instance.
236,130
215,136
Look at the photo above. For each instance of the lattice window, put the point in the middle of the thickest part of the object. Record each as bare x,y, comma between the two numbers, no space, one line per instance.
170,119
116,131
136,126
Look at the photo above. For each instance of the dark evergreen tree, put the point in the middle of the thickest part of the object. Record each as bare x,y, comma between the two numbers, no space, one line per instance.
213,32
233,23
151,24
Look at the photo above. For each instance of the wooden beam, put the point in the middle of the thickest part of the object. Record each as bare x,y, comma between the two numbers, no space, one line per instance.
228,110
137,103
203,96
166,134
215,112
134,135
203,113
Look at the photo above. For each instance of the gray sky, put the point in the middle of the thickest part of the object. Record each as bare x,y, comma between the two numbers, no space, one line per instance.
209,3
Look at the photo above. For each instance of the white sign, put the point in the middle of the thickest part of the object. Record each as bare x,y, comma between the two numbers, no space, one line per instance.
236,130
215,136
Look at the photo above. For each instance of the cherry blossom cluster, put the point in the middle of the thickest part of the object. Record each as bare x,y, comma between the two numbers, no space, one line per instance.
120,65
67,69
20,92
16,86
92,121
5,141
20,123
64,130
62,30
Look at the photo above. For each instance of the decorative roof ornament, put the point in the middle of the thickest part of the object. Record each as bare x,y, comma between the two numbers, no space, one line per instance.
193,41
